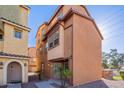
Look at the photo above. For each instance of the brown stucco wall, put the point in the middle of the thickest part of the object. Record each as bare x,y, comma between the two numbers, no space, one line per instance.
86,51
33,64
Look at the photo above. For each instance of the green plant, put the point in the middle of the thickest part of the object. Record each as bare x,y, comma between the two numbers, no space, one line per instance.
41,75
117,77
65,75
122,74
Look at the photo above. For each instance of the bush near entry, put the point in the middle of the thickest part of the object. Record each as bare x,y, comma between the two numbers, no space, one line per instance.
122,74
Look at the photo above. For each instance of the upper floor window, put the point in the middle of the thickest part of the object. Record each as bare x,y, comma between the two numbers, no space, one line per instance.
53,40
43,33
46,46
1,37
60,15
18,34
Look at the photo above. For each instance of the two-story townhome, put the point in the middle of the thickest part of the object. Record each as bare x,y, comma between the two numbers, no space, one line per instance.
72,40
14,44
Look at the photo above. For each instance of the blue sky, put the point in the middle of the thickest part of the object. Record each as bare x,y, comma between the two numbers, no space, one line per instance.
110,20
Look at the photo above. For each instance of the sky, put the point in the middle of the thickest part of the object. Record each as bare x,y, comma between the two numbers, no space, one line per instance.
109,19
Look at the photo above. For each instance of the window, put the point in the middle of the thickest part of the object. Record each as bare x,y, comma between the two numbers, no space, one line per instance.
56,42
60,15
43,34
18,34
53,40
46,45
51,45
56,39
66,65
1,37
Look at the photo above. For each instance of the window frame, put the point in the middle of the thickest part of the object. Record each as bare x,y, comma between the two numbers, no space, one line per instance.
53,38
17,33
1,36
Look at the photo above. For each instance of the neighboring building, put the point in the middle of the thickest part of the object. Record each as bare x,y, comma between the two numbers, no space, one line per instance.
70,39
13,44
33,65
41,51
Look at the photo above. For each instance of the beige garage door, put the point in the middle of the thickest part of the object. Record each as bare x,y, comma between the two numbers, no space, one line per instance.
14,73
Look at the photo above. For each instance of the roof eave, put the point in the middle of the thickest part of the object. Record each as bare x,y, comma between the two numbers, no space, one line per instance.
15,24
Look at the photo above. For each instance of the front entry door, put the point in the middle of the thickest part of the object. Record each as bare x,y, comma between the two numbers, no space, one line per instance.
14,72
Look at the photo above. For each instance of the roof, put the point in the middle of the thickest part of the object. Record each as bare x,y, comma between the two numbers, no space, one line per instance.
14,23
57,10
69,13
12,55
26,7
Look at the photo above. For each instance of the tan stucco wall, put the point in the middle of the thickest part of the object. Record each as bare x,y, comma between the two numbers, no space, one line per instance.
57,52
34,65
13,45
86,51
23,16
1,46
15,13
3,72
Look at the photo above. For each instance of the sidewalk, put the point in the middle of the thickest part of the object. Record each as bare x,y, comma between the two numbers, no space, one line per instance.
18,85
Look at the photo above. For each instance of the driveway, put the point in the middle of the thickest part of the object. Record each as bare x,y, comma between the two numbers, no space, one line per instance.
103,83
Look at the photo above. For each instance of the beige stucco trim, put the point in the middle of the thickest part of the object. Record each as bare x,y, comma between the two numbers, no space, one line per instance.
14,24
14,57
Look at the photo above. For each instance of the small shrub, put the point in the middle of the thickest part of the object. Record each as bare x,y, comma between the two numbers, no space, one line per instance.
122,74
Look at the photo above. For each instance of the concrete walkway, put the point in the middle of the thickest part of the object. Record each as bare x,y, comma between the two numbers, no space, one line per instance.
44,84
18,85
48,84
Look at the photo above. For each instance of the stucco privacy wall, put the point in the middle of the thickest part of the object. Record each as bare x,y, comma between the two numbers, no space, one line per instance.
3,71
20,45
86,43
